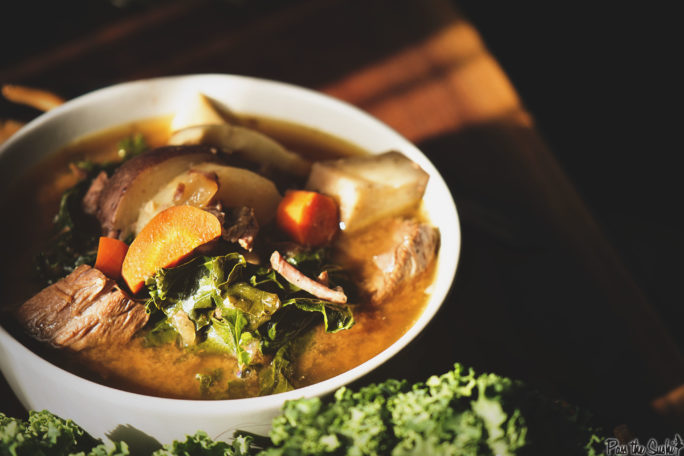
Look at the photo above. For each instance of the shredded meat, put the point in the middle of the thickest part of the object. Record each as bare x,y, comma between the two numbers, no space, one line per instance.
238,224
295,277
92,196
414,245
241,227
84,309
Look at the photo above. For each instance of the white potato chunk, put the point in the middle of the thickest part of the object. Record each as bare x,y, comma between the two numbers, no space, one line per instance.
368,188
196,110
240,187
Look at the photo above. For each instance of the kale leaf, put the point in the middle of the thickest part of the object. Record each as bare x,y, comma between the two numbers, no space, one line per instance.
75,234
201,445
458,412
230,313
74,241
132,146
46,434
455,413
275,378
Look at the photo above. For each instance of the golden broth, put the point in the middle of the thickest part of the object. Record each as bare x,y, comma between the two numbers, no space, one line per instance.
171,371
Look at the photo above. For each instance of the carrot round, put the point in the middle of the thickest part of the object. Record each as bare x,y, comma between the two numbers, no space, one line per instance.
167,239
309,218
110,256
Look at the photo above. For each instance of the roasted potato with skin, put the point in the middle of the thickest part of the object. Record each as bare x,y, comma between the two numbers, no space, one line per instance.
138,180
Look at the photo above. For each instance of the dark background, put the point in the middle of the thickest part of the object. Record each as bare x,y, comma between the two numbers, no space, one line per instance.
601,84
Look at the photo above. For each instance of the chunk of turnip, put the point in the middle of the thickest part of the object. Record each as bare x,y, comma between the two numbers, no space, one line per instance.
368,188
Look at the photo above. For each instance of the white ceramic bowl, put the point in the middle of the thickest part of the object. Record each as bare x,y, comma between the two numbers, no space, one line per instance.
100,409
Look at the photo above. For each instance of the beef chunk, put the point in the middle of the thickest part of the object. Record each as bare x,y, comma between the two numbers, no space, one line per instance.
413,248
82,310
92,196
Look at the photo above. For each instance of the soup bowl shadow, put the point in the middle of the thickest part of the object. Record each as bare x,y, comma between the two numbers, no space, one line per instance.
101,410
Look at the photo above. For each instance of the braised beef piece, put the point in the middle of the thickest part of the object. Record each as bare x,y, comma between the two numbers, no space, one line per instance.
92,197
412,249
82,310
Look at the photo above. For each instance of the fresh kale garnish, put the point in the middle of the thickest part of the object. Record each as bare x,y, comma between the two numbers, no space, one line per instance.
46,434
457,413
201,445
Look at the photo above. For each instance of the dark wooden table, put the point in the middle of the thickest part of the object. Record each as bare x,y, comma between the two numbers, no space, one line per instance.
540,293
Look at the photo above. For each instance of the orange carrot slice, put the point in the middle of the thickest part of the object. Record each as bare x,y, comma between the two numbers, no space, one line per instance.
110,256
169,238
309,218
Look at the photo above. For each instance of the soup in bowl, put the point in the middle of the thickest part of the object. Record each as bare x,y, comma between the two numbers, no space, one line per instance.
190,252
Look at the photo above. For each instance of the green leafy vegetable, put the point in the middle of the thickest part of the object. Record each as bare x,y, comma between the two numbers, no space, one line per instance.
46,434
75,234
205,289
74,241
230,333
201,445
456,413
208,380
237,316
132,146
336,317
298,315
274,379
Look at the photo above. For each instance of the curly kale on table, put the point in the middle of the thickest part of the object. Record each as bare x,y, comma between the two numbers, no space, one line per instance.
46,434
458,413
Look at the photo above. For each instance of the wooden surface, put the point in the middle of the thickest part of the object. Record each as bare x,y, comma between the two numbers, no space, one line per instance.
540,293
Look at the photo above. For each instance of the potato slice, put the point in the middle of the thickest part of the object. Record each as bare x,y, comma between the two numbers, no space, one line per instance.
192,187
368,188
241,187
138,180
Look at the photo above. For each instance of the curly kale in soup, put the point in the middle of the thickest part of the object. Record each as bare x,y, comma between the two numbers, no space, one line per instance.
196,257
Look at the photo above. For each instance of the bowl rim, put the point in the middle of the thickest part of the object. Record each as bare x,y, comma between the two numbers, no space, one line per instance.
322,388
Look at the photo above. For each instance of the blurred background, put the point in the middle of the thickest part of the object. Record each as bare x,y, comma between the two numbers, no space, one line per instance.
598,81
